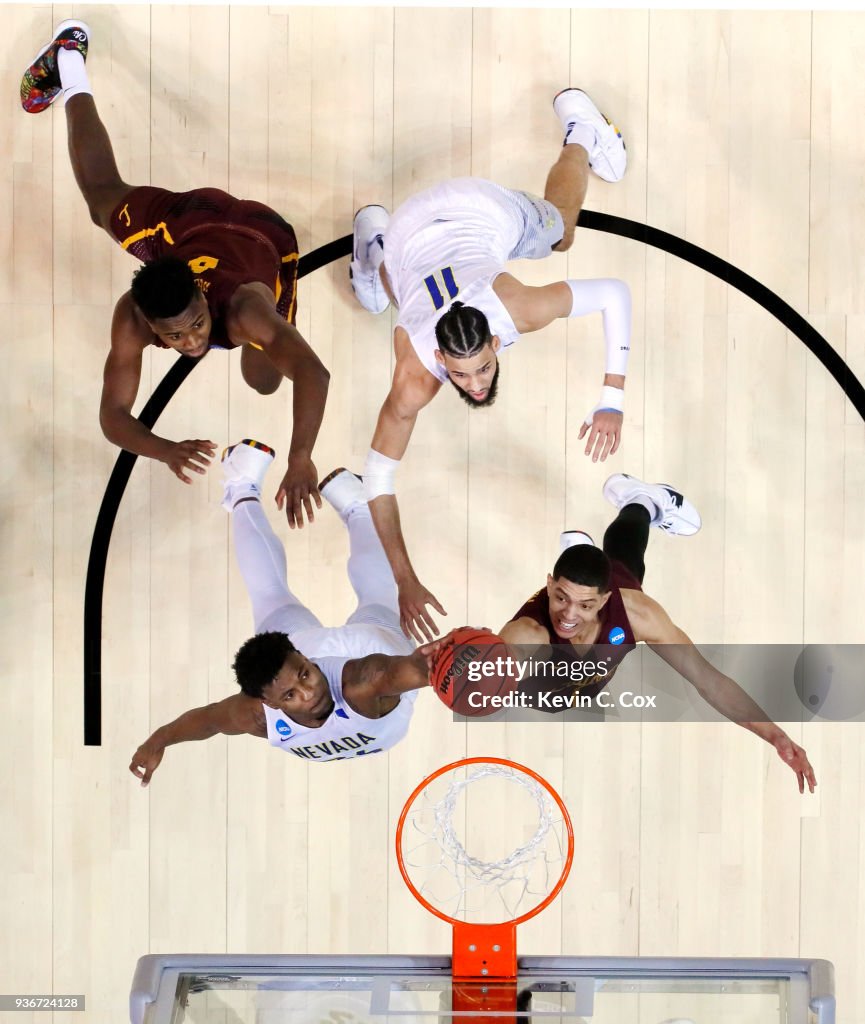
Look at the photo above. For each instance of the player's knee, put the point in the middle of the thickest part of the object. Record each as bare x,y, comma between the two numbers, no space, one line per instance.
265,387
566,242
95,212
258,372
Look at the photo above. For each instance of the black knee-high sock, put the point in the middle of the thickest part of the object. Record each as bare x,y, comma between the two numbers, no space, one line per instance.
627,537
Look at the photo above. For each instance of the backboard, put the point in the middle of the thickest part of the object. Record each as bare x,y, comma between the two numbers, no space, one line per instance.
418,990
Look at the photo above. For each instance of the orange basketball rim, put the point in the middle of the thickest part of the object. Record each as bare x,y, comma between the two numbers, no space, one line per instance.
481,896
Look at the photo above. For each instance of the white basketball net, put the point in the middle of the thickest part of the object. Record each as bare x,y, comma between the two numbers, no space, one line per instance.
484,843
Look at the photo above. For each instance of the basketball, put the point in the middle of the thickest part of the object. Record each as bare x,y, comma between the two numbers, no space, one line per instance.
470,670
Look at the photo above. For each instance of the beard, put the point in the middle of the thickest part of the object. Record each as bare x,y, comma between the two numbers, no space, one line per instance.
491,394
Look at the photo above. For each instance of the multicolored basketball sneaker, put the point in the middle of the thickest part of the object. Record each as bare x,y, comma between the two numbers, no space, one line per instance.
40,84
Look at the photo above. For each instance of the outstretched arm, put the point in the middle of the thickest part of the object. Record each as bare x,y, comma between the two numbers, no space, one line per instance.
129,338
393,674
253,318
532,309
717,689
412,389
383,677
231,717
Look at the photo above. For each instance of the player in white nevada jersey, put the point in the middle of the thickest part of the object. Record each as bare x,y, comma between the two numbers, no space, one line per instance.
441,260
320,693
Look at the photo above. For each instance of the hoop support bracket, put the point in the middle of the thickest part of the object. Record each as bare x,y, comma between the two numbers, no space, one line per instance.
484,969
484,951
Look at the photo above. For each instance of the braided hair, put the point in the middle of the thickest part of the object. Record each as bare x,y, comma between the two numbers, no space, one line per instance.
462,331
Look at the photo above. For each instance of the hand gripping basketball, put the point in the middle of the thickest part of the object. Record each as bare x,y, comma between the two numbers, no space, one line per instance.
472,671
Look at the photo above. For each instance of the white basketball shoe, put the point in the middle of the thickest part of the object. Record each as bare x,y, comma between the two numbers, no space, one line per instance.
608,157
673,512
343,490
570,539
369,227
243,468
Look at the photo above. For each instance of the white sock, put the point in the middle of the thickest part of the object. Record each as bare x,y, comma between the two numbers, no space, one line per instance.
73,73
650,506
580,134
234,490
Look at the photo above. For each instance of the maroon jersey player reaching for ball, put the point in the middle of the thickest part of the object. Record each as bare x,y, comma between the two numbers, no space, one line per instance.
594,598
218,272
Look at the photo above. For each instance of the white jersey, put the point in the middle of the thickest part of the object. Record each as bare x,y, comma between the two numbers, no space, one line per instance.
345,733
451,242
353,640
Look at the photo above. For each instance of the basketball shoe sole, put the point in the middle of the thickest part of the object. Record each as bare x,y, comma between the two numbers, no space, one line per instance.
570,539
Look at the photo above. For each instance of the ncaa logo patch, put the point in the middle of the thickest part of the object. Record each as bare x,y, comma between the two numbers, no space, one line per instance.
283,728
616,635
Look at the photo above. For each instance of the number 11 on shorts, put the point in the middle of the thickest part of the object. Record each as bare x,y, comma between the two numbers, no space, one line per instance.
448,284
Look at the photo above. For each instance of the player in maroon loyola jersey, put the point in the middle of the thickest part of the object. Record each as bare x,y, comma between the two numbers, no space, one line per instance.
219,273
594,599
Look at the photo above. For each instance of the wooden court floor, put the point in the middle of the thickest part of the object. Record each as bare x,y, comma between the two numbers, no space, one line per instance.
744,136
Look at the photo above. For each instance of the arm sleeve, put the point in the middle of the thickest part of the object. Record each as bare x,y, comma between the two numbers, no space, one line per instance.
612,298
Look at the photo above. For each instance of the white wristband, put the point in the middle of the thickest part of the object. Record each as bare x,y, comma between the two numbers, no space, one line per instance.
612,400
379,472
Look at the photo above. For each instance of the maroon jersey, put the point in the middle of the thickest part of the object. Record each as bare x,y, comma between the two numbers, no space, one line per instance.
226,241
615,639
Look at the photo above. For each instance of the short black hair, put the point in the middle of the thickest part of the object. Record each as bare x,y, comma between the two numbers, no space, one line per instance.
163,288
585,565
462,331
259,660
